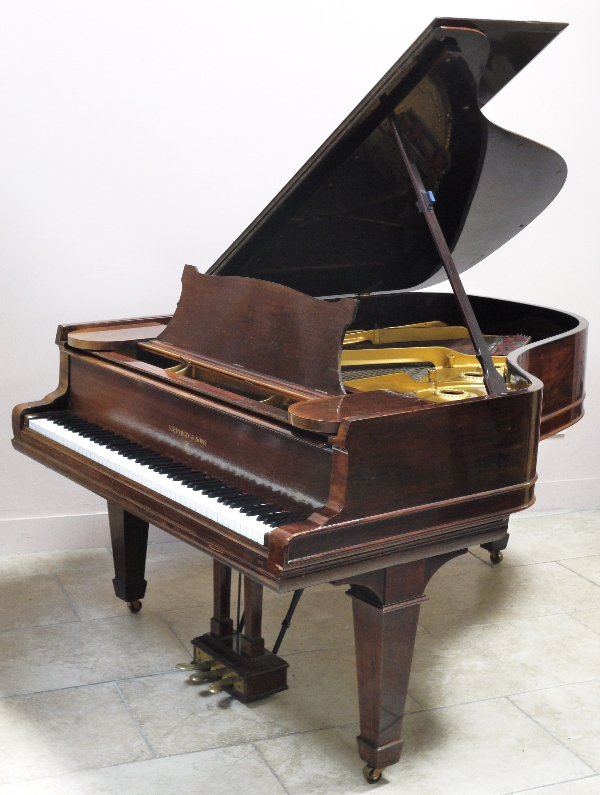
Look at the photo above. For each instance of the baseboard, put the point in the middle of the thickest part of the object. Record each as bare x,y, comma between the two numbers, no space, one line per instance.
567,495
51,533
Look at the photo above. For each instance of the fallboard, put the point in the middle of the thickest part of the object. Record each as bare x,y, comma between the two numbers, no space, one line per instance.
249,452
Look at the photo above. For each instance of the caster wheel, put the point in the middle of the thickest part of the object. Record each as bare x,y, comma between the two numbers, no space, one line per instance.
496,557
372,774
135,606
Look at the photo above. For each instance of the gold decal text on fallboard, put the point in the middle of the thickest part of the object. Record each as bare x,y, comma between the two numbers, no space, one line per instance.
189,437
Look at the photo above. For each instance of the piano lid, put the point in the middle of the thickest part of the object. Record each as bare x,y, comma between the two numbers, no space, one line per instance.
348,224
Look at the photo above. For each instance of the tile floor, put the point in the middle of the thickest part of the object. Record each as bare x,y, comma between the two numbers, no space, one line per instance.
504,692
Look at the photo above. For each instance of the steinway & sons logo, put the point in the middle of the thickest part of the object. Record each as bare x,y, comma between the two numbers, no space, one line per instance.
189,437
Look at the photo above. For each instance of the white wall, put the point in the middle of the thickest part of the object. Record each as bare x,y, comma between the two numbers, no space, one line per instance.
136,136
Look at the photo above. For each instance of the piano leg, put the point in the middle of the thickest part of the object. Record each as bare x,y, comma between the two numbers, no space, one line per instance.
129,536
221,624
495,548
386,606
252,644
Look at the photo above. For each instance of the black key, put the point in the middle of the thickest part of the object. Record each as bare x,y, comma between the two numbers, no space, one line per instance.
282,520
250,510
160,466
244,500
89,432
226,497
96,436
213,491
172,466
180,474
267,510
202,485
130,454
195,477
178,478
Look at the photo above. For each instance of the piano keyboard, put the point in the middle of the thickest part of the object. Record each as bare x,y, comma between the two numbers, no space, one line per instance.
239,511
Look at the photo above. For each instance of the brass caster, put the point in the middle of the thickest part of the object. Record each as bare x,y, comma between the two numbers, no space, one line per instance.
135,606
372,774
496,557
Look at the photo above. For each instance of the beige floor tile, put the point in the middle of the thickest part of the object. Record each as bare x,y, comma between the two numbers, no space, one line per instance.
33,601
68,655
220,772
51,562
540,539
572,714
591,619
322,762
189,623
178,717
477,594
322,620
588,567
582,786
489,747
178,576
67,730
479,662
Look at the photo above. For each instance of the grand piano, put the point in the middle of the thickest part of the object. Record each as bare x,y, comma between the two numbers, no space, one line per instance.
308,415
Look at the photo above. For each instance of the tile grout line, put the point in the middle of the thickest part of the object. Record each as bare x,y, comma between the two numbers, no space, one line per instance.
556,784
42,626
187,651
135,720
504,695
88,684
124,764
571,615
549,733
495,623
68,598
583,577
262,756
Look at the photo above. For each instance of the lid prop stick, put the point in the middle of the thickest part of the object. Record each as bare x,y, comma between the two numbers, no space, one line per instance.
494,383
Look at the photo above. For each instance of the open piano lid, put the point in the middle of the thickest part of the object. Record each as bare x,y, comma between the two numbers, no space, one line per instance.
347,223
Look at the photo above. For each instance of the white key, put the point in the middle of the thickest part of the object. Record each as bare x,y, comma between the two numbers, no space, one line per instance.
229,517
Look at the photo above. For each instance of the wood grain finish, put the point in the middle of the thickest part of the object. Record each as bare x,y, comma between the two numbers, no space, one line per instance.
129,537
326,414
386,605
221,624
477,446
560,364
106,339
261,327
252,644
243,449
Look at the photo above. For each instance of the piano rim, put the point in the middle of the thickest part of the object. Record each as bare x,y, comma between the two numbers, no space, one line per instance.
251,558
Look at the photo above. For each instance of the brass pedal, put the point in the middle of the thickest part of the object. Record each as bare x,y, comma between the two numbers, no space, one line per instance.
229,679
211,673
246,678
191,666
